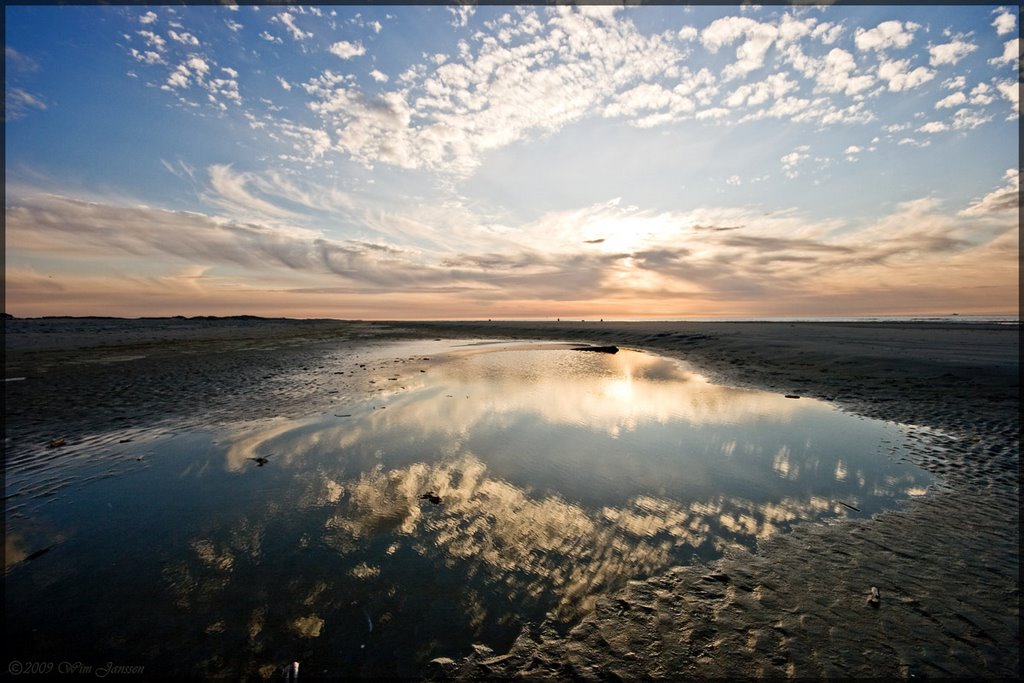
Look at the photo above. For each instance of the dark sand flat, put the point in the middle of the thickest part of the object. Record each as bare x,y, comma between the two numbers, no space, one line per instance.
946,565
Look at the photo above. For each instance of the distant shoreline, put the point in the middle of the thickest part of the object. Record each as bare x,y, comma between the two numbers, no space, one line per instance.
950,317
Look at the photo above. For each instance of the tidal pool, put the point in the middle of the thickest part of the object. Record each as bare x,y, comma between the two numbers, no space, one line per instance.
561,474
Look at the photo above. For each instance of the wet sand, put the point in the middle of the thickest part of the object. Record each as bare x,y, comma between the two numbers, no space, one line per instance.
946,566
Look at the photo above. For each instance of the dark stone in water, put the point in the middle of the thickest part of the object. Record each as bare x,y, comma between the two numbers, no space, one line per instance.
260,461
38,553
432,497
598,349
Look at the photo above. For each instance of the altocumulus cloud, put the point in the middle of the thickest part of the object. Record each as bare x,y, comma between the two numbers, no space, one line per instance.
534,71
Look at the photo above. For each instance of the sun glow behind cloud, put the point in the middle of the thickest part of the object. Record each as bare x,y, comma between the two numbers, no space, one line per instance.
518,162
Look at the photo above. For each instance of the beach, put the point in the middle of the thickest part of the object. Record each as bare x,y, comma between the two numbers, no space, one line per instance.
946,566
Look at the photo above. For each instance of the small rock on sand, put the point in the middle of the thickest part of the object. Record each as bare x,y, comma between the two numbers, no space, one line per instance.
597,349
432,497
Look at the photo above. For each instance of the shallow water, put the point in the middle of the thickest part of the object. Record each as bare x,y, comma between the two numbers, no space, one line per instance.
561,474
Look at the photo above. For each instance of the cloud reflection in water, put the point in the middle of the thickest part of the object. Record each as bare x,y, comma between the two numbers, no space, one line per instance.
564,474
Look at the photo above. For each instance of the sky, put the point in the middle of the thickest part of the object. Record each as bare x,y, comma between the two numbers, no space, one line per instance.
459,161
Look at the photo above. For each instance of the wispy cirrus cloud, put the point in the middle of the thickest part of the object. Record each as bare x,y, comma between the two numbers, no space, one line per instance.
1001,201
19,103
598,253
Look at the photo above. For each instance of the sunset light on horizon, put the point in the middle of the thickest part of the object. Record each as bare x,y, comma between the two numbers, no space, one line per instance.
460,161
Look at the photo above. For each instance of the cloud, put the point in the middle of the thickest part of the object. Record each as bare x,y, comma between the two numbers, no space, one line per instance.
552,67
793,159
153,40
1005,22
184,38
198,65
461,14
913,142
895,73
488,97
74,227
1005,200
933,127
270,38
713,113
574,65
1010,90
953,100
179,78
888,34
605,256
287,20
828,33
750,55
791,30
369,128
649,97
835,72
950,53
752,94
687,33
954,83
117,291
346,50
820,110
19,103
230,192
196,71
84,230
1010,56
148,18
548,68
19,61
725,31
968,119
980,94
